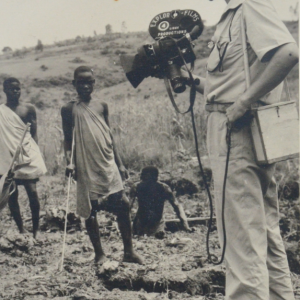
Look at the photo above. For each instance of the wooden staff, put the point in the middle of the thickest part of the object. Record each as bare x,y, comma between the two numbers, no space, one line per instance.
67,206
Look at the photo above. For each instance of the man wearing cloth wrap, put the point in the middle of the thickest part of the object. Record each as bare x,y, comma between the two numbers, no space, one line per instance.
256,262
30,164
97,164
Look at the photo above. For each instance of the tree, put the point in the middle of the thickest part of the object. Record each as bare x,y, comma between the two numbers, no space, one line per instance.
39,47
7,50
108,29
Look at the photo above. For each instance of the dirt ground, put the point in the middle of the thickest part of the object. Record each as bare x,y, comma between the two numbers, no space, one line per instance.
175,267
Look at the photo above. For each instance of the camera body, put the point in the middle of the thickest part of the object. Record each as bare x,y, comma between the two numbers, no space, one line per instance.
174,32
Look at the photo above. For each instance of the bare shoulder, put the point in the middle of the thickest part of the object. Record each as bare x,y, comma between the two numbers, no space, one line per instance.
67,108
99,107
29,107
165,187
26,111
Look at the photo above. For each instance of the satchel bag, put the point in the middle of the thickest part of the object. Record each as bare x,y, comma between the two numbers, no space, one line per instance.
275,127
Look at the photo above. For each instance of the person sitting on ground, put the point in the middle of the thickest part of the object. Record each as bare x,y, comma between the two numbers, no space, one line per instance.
13,117
151,195
98,167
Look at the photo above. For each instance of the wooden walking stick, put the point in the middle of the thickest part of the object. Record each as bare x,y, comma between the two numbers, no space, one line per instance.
67,207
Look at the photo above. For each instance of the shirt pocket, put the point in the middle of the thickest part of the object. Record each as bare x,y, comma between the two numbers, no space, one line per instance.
217,55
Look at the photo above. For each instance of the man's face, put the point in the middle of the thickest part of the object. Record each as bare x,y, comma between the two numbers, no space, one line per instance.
84,84
13,91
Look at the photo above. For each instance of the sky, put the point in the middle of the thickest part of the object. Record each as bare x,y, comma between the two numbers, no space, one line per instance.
23,22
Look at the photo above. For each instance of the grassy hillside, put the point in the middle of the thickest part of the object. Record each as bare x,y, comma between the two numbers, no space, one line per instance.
145,125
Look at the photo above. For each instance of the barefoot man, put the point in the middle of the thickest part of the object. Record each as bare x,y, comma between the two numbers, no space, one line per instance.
97,165
13,117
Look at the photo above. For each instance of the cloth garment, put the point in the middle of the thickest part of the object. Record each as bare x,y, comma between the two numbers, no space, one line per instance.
255,258
96,168
225,80
30,162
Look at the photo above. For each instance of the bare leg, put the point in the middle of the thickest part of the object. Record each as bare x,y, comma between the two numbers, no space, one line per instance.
92,227
15,209
123,219
30,188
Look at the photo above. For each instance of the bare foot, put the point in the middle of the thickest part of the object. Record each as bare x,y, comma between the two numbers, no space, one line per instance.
100,259
133,258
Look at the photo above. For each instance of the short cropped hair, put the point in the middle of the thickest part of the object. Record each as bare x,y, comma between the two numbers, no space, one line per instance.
9,81
151,170
82,69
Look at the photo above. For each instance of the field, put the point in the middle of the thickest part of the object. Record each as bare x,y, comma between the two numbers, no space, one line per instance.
147,132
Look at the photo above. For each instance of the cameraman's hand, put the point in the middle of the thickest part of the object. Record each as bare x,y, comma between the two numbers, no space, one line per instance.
70,170
236,111
123,172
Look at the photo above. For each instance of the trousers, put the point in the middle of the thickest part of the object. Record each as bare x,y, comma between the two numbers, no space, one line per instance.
255,257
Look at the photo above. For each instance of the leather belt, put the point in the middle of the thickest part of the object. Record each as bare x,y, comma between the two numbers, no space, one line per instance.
220,107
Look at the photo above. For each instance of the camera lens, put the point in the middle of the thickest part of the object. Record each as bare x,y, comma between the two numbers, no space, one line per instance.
178,85
177,81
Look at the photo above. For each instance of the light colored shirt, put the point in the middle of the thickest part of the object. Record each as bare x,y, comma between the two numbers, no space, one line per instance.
225,80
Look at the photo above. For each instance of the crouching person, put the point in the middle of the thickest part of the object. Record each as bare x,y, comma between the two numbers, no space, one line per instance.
151,195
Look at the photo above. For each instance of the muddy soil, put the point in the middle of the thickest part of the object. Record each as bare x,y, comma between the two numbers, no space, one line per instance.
176,267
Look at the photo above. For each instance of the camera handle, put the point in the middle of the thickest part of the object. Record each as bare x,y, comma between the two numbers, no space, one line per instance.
228,140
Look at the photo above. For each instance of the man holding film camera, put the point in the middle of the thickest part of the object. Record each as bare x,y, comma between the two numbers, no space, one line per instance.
256,262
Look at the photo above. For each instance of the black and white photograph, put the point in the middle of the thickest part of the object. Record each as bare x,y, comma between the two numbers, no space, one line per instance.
149,150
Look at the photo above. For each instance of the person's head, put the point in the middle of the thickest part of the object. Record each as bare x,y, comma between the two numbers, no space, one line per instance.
84,82
12,89
149,173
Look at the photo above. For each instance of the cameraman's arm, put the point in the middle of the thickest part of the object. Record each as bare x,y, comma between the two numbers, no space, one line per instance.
283,59
200,87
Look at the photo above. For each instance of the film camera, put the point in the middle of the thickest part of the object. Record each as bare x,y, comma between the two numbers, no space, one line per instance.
174,32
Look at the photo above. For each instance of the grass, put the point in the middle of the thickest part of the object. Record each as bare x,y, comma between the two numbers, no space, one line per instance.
150,132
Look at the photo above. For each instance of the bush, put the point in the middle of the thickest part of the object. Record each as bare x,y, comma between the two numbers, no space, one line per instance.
105,51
